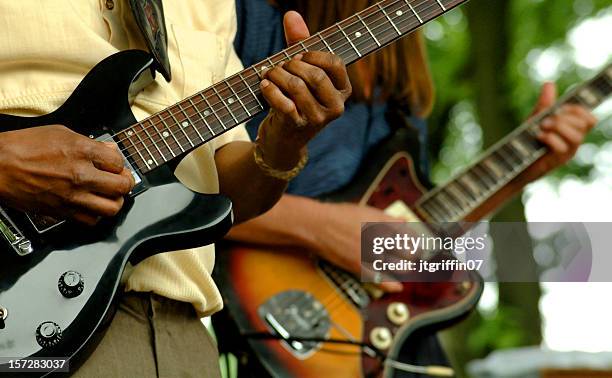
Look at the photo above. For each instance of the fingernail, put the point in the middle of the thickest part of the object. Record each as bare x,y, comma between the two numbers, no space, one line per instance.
547,123
298,57
395,287
265,83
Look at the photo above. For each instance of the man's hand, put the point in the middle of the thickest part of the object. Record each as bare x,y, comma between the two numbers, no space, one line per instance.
562,132
305,94
55,171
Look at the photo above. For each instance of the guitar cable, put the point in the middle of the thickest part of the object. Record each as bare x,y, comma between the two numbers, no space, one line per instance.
431,370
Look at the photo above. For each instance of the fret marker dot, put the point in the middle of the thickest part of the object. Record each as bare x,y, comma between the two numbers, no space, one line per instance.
230,101
149,161
130,133
165,134
206,113
399,13
358,34
185,124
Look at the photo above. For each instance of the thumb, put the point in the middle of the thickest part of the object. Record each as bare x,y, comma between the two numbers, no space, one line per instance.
548,96
295,28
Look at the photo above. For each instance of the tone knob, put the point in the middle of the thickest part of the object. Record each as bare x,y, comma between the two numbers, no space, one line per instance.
3,316
71,284
48,334
398,313
381,338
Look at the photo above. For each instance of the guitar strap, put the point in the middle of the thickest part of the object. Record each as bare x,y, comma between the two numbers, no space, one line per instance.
149,15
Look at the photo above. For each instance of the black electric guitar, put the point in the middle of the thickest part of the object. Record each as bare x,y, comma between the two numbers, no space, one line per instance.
58,280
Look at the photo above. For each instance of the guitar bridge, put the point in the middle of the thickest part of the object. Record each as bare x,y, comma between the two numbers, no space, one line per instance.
13,235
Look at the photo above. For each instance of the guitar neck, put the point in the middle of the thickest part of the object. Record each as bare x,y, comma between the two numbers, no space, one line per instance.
173,132
500,164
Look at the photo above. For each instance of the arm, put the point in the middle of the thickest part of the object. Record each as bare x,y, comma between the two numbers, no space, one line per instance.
289,223
562,133
305,94
329,230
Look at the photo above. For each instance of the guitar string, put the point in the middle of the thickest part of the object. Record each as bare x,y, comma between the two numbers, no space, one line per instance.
221,112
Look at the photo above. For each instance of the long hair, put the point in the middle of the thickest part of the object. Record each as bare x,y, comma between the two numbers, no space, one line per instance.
400,70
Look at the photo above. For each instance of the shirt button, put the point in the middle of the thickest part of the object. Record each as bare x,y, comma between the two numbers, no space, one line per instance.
110,4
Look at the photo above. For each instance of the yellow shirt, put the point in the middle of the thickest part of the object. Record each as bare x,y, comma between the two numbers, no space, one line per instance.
47,47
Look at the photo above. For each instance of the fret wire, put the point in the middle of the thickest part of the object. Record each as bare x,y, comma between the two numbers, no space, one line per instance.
447,205
426,214
519,147
180,127
238,97
153,141
389,18
192,124
501,159
172,133
301,43
368,29
458,193
514,155
486,179
271,63
434,209
213,110
128,138
184,124
493,167
465,188
251,90
325,43
413,11
146,161
163,139
197,111
224,102
450,203
348,39
441,6
286,54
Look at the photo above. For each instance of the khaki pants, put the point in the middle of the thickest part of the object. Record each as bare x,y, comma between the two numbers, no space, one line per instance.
152,336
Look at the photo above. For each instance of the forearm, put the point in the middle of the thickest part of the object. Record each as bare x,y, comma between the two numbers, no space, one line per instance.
240,178
286,224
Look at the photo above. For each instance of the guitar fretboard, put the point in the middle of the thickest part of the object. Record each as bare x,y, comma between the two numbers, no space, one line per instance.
207,114
463,194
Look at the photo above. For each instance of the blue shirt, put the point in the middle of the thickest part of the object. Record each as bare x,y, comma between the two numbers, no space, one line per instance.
336,153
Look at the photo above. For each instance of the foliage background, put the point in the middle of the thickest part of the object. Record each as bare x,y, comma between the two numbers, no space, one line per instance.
489,59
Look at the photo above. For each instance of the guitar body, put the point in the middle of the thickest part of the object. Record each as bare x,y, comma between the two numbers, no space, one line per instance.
255,280
160,215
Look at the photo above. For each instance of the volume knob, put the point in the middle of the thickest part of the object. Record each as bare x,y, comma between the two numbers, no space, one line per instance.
48,334
71,284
